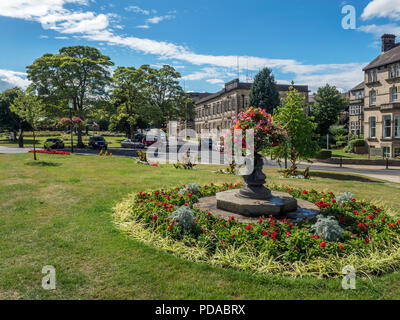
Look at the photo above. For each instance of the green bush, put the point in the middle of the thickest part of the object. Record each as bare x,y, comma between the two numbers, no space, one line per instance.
356,143
324,154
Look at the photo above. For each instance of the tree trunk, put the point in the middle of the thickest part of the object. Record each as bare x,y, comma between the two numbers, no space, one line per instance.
80,143
132,132
34,144
21,139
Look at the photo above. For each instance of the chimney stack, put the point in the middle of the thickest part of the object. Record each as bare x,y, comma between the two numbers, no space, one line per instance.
388,42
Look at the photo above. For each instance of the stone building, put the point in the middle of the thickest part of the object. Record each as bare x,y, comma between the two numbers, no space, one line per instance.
382,104
356,110
218,110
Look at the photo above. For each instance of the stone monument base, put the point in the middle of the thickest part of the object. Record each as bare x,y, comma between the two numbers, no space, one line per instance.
280,205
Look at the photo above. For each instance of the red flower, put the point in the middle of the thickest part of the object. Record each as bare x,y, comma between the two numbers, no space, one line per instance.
264,233
155,218
323,244
341,247
249,227
366,240
288,234
260,220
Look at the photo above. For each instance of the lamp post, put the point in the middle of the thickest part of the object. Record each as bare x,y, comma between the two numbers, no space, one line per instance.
70,115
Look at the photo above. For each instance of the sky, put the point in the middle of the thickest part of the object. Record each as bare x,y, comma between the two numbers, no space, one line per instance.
208,42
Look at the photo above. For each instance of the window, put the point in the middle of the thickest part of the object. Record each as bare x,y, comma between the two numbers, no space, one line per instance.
373,97
397,127
375,76
391,72
397,70
372,127
355,127
387,126
386,152
393,94
397,152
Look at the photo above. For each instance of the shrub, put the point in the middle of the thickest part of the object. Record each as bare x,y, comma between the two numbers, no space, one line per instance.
345,197
192,188
356,143
184,216
324,154
328,228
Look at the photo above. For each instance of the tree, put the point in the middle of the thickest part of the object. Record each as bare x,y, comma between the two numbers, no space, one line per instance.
29,108
328,105
292,117
80,74
9,120
165,92
128,94
263,92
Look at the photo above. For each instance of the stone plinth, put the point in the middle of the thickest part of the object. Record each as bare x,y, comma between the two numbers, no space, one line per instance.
277,205
302,210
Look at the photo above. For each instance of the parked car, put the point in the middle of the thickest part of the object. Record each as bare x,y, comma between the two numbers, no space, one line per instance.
132,144
98,142
53,143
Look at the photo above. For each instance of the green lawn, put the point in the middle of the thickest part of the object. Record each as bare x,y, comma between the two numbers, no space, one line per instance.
340,153
58,212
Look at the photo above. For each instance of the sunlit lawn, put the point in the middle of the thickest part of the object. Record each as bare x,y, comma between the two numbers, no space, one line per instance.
58,212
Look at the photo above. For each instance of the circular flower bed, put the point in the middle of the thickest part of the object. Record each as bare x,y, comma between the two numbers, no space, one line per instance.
351,232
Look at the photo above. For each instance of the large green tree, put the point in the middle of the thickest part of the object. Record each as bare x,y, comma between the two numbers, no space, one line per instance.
165,93
29,108
9,121
264,93
328,105
292,117
129,95
79,74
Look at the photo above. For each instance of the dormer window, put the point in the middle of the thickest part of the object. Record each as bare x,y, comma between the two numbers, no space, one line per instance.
397,70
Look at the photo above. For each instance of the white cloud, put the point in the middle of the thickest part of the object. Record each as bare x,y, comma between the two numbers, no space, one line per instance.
382,9
215,81
379,30
96,27
137,9
10,79
158,19
143,26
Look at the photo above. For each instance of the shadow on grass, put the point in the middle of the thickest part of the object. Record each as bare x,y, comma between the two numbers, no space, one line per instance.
42,164
343,177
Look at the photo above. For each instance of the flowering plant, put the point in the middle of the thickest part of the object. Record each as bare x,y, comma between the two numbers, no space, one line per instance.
365,231
266,134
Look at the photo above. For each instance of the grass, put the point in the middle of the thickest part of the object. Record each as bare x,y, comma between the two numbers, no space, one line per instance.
340,153
60,214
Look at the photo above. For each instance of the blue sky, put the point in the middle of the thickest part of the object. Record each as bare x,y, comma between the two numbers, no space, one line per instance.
301,40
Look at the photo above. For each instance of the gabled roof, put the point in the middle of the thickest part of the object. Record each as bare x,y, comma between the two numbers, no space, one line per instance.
388,57
360,86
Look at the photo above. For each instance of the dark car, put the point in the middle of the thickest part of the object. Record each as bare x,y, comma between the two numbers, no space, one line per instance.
53,143
98,143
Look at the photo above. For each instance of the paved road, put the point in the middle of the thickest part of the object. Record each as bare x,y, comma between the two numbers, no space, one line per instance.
13,150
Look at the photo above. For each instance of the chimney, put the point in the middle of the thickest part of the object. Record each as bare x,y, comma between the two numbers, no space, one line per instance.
388,42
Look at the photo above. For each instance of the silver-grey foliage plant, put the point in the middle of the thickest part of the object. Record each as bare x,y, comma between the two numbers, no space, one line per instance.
190,188
328,228
183,216
345,197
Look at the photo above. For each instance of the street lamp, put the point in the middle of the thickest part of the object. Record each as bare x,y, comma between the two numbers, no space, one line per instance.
70,116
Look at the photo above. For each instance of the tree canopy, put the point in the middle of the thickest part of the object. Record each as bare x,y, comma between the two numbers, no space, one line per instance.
264,93
291,116
80,74
328,105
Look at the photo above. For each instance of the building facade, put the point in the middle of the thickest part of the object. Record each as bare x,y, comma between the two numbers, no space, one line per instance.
218,110
382,104
356,110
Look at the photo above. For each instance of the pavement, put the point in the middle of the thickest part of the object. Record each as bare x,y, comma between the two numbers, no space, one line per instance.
378,172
